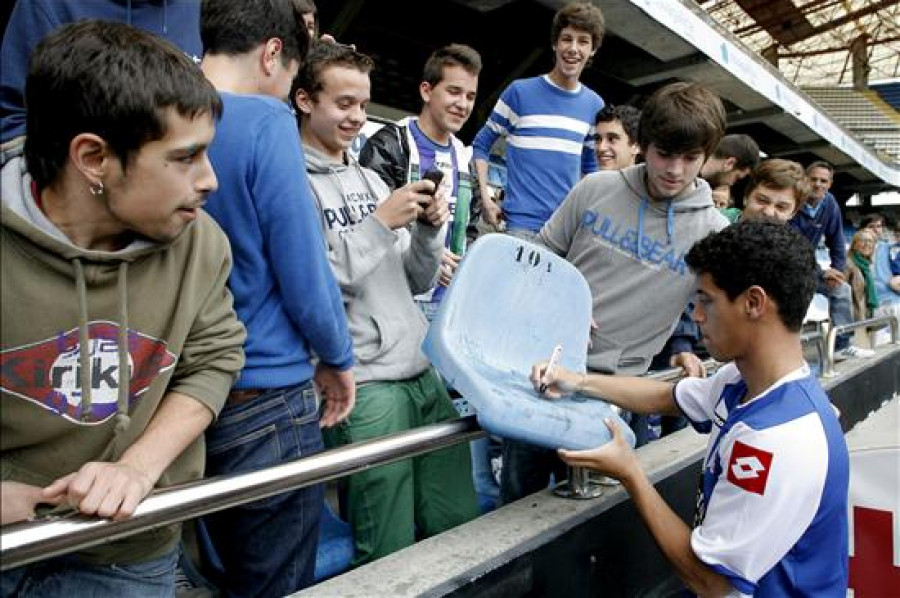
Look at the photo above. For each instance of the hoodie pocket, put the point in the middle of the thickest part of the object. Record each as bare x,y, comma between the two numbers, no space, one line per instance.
377,336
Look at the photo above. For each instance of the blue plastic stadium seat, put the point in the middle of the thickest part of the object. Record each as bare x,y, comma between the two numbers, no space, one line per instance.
510,303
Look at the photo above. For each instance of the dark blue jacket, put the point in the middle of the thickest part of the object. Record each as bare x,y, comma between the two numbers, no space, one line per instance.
827,221
31,20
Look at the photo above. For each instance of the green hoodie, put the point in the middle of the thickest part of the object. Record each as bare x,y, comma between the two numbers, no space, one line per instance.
163,308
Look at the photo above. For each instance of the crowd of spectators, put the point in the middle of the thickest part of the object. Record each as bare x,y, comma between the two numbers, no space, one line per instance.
199,279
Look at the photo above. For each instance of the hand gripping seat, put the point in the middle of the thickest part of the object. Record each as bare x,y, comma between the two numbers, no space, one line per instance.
510,303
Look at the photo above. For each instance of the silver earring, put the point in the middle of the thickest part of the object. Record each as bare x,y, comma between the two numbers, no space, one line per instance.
96,188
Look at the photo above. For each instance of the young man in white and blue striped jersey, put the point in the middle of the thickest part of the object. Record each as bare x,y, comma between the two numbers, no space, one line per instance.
548,125
771,516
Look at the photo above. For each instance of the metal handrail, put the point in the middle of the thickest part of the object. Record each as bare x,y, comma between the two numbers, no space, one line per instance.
27,542
833,331
47,537
817,338
673,374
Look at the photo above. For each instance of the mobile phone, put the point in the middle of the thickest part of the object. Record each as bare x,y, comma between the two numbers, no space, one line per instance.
435,176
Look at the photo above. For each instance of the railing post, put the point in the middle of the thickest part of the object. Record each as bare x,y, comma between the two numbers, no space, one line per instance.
579,485
833,331
828,370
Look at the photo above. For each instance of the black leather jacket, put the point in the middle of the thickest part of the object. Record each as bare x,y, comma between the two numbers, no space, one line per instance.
387,153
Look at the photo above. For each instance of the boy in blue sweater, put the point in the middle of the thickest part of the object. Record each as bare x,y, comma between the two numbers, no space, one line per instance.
284,292
548,124
821,217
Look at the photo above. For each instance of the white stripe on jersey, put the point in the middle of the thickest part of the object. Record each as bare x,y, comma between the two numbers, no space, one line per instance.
697,397
552,144
498,129
502,109
554,121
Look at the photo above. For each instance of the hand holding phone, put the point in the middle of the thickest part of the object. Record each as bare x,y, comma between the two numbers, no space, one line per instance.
435,176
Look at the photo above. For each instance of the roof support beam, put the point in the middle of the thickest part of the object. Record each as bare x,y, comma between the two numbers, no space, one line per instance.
639,74
746,117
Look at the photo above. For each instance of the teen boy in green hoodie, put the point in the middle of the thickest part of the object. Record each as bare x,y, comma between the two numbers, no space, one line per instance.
119,341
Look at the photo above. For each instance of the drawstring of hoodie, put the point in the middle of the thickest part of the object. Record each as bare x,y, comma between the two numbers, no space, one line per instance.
362,176
642,207
84,347
670,222
644,201
122,418
84,342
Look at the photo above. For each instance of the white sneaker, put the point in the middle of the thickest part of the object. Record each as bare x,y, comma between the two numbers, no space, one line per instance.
853,352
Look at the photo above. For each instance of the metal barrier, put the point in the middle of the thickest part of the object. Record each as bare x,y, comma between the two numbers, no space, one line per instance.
47,537
26,542
828,365
817,338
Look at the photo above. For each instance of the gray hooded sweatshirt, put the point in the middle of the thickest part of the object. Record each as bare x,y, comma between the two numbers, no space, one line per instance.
631,250
378,269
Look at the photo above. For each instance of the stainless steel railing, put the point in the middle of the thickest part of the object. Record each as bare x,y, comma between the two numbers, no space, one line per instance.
47,537
828,365
24,543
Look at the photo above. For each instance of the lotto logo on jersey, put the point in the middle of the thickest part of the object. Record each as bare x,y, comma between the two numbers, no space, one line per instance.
749,467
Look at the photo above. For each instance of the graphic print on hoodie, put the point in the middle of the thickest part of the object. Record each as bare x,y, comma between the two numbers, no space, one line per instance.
631,251
50,373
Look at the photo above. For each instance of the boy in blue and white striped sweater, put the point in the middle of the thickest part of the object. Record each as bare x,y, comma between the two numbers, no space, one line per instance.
548,124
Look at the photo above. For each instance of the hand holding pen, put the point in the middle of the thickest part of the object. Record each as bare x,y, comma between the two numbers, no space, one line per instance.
551,379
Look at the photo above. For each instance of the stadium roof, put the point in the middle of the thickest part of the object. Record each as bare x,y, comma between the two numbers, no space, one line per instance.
812,37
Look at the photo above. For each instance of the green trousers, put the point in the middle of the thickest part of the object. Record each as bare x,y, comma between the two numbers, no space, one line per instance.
391,504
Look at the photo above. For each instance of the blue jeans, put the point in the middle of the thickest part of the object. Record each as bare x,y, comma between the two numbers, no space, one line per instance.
267,547
69,576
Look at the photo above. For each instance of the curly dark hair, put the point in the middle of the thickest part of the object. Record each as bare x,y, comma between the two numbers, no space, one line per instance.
763,253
